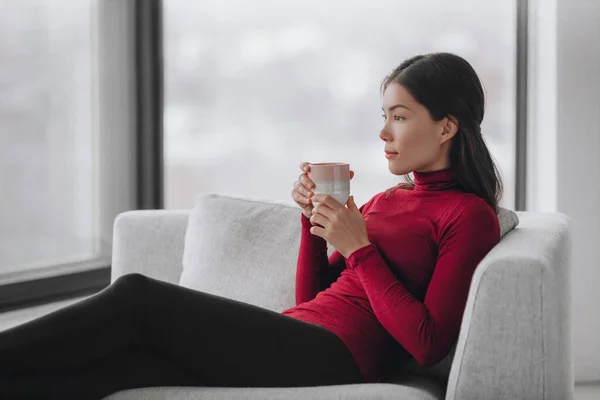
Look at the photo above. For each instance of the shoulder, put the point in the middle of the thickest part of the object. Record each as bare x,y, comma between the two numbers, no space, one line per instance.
470,205
471,216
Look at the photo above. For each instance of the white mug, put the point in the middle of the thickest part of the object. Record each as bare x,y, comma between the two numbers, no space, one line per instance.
332,179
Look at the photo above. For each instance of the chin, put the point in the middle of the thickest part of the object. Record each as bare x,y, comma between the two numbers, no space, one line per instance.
399,170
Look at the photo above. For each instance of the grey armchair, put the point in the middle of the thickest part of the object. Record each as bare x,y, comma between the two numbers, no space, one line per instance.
514,341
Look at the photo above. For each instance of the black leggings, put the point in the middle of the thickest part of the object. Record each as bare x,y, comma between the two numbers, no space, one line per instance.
142,332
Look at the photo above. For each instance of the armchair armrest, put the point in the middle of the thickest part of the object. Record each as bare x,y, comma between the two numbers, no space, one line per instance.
150,242
515,340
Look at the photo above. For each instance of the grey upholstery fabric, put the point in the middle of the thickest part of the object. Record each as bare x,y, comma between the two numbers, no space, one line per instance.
515,336
508,220
380,391
244,250
515,339
149,242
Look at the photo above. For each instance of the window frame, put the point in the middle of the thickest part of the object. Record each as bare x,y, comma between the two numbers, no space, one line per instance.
522,104
127,144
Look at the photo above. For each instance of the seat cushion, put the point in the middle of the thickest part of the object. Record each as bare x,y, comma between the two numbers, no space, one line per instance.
380,391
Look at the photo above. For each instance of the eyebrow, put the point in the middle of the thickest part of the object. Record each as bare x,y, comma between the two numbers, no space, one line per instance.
396,106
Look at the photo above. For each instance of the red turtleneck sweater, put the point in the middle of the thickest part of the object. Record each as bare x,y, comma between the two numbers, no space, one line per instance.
407,290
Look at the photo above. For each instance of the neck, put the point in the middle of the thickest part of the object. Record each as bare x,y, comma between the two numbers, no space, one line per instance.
441,179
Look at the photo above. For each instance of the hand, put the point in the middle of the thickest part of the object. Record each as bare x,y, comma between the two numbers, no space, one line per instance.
343,228
302,193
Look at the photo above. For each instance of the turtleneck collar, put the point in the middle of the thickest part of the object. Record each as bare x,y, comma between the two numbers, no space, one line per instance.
442,179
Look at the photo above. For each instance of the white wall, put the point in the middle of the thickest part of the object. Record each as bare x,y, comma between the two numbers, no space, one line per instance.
564,151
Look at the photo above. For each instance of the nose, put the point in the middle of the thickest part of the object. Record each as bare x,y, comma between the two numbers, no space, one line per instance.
384,135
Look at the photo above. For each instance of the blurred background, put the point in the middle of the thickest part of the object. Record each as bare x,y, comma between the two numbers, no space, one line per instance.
255,85
115,105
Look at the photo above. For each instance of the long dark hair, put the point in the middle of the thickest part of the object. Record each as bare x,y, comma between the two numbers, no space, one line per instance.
446,84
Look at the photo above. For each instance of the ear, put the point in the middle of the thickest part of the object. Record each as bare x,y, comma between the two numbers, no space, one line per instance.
449,128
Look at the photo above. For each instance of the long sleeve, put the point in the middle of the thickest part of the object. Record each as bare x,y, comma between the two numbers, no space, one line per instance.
314,270
428,329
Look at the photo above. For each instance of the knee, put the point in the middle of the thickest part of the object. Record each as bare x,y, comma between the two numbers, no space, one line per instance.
131,280
134,284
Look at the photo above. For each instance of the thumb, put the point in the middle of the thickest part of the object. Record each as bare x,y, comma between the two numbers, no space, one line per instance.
351,203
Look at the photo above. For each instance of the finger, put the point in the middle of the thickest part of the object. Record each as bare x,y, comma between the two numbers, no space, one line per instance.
351,204
351,175
323,209
327,200
318,231
299,198
306,181
304,166
302,189
319,219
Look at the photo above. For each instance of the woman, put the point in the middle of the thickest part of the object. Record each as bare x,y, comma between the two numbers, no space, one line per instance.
396,285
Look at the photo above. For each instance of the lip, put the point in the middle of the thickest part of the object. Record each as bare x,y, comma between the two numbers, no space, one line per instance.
389,154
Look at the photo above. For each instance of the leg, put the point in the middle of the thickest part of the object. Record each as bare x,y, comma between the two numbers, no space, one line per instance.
220,342
121,371
230,343
76,335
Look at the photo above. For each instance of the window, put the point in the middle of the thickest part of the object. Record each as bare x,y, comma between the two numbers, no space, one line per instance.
47,168
254,88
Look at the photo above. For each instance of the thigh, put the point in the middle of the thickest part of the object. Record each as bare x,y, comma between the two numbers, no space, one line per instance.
232,343
122,370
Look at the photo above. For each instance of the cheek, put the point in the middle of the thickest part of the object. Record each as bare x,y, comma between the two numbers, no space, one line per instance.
416,146
413,140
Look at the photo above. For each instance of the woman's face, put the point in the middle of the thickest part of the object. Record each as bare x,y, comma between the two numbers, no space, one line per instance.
421,143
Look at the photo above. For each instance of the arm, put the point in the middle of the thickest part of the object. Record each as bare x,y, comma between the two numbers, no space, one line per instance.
314,271
428,330
150,242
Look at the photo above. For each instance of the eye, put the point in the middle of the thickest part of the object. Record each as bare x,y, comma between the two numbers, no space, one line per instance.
396,117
